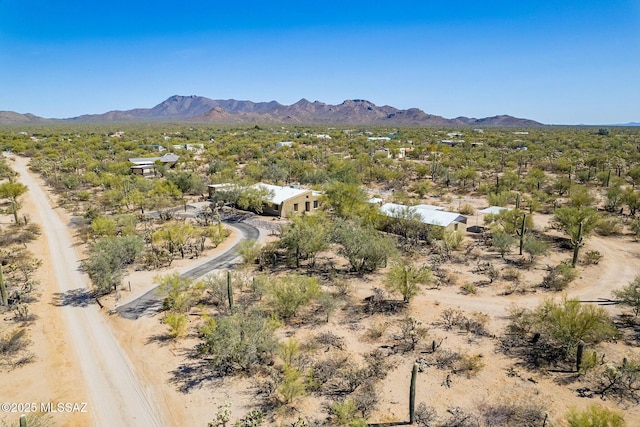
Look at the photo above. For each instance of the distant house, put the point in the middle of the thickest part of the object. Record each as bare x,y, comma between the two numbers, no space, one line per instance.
284,144
451,142
145,166
427,214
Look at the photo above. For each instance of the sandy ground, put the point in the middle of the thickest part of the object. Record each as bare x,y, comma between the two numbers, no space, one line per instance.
56,376
114,394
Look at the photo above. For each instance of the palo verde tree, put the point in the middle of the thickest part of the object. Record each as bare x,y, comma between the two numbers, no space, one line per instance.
305,236
630,295
364,247
406,279
12,191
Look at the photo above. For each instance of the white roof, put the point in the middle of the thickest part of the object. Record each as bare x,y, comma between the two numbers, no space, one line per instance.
375,200
280,194
427,216
430,207
493,210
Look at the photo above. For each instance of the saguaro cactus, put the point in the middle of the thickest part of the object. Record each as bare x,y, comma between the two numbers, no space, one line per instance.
579,354
3,289
577,244
229,290
23,420
412,394
522,231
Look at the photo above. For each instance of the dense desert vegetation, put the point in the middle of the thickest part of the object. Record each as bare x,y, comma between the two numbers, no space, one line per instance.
328,305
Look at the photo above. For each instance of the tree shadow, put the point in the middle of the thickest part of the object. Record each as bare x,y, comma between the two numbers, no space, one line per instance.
161,339
193,375
391,423
80,297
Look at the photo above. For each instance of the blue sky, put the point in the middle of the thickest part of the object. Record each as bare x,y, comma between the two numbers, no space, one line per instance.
562,62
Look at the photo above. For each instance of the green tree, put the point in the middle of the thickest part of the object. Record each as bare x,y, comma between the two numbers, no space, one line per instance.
180,293
291,292
305,237
103,226
568,322
406,279
12,191
345,200
630,295
365,248
502,241
107,259
239,342
254,198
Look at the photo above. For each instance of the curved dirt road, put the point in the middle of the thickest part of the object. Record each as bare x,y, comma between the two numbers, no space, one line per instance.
116,398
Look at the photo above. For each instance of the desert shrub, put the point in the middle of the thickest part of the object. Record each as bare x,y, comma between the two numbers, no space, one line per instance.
595,416
459,418
406,279
292,292
559,277
377,364
469,288
365,398
292,386
467,209
377,330
329,339
180,293
241,342
551,332
469,365
411,332
249,250
324,370
630,295
177,324
451,317
475,323
345,414
511,274
510,411
425,416
617,380
608,226
592,257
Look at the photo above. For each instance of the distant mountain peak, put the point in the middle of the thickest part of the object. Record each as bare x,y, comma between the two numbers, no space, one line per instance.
349,112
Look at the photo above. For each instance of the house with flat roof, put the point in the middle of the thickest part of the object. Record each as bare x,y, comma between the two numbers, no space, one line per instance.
285,200
145,166
280,200
427,214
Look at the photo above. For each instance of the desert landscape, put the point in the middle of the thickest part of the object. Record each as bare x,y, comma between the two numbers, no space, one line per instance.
344,355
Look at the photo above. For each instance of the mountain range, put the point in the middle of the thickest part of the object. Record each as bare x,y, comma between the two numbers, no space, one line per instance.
200,109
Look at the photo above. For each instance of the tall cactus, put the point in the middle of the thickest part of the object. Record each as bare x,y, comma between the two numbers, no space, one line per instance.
3,289
412,394
23,420
577,244
522,231
579,354
229,291
518,201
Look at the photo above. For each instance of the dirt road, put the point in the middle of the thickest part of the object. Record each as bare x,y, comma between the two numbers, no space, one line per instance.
116,398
